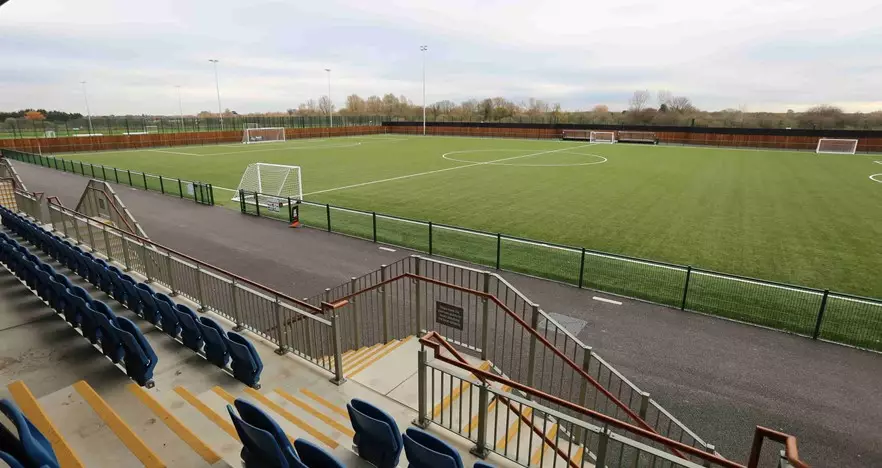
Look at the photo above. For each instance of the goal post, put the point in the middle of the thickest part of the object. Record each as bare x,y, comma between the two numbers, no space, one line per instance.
583,135
248,125
603,137
151,129
263,135
270,183
836,146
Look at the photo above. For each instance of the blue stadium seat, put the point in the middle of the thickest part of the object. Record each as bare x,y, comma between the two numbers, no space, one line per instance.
215,342
73,261
10,461
27,445
108,331
83,262
96,267
104,278
246,363
148,310
133,299
427,451
313,456
377,437
44,286
140,358
117,291
60,289
168,318
483,465
77,298
191,332
264,443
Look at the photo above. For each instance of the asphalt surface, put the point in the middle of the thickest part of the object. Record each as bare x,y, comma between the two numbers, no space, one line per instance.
720,378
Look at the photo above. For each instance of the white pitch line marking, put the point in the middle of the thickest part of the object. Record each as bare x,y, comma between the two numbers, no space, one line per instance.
392,179
608,301
874,178
387,249
878,162
174,152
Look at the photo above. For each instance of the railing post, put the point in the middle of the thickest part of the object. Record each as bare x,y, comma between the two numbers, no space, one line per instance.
109,252
125,245
430,238
161,186
91,236
498,249
144,176
480,449
374,218
582,269
709,448
600,459
531,363
384,297
328,214
485,318
278,313
129,171
235,296
356,313
686,287
171,276
146,263
817,332
332,313
422,389
181,189
586,365
116,175
644,404
418,309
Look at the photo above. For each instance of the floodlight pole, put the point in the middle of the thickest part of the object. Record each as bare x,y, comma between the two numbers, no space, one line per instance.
424,48
180,107
88,112
330,102
217,87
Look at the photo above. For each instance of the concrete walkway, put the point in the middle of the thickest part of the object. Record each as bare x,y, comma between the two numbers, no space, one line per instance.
720,378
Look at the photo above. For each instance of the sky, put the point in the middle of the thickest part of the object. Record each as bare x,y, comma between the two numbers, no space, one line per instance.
761,55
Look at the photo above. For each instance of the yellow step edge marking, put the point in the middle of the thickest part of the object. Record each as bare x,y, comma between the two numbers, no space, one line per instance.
513,429
31,409
209,413
175,425
292,419
456,392
364,357
361,352
473,425
347,353
387,349
316,414
326,403
577,457
537,454
119,427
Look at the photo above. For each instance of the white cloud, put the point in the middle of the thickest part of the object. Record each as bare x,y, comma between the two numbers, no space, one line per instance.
768,55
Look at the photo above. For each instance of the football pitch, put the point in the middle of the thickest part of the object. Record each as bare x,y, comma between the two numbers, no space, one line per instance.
794,217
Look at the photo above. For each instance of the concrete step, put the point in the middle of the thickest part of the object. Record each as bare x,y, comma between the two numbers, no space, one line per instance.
32,410
214,428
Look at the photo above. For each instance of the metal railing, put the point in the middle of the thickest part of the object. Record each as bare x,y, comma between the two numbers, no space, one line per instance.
497,323
529,428
292,324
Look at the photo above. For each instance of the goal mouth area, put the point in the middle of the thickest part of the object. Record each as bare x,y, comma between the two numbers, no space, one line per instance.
837,146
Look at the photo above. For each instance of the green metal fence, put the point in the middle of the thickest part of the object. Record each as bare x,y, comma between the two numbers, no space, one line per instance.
199,192
815,313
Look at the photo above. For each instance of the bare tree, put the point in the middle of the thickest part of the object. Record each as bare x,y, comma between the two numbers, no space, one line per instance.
601,109
681,104
355,104
664,100
638,100
325,106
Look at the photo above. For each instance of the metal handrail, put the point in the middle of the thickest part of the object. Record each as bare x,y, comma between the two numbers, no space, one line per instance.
670,443
113,206
238,278
791,452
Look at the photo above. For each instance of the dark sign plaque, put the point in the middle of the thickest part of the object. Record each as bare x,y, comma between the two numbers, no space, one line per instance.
448,314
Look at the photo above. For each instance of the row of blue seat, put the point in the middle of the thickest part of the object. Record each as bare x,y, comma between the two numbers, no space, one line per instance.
201,334
27,447
118,337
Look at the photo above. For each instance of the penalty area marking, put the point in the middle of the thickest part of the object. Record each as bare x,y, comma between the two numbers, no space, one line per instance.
497,163
876,178
608,301
878,162
387,249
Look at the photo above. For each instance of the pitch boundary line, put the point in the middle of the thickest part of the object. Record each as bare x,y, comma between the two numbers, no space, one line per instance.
418,174
874,179
603,159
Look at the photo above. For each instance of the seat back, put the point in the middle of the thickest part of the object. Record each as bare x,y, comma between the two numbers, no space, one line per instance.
263,441
76,307
168,318
427,451
376,434
245,362
313,456
133,299
139,356
108,332
148,311
34,447
215,342
11,461
191,332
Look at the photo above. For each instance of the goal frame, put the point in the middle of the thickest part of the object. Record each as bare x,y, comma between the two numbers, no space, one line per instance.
147,129
247,140
264,198
593,137
854,144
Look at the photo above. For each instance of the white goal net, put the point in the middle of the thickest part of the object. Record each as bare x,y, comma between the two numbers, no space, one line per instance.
151,129
270,184
263,135
250,125
603,137
836,146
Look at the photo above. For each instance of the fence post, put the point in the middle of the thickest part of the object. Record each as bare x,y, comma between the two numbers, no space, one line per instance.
419,299
686,287
387,332
92,167
125,245
480,449
374,217
235,297
171,276
498,248
181,189
242,200
644,404
257,203
709,448
290,212
485,317
278,313
115,175
582,269
600,459
103,173
146,263
161,186
586,365
328,213
531,363
355,312
199,295
129,171
422,407
337,342
144,176
430,238
82,168
91,236
107,243
817,332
